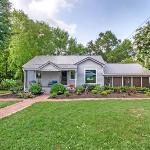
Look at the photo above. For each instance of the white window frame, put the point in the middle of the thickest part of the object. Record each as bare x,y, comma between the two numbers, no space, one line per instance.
85,74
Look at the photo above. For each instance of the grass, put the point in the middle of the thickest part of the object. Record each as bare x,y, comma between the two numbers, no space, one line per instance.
4,104
102,125
4,92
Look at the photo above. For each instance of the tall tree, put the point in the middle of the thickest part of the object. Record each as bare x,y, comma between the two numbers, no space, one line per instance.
104,44
121,52
5,29
142,44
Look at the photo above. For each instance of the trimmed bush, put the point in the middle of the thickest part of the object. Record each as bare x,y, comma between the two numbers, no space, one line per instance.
78,92
25,95
35,88
104,93
66,93
148,93
53,95
94,91
58,88
80,88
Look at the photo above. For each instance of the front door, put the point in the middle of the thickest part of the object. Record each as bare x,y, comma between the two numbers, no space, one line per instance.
64,77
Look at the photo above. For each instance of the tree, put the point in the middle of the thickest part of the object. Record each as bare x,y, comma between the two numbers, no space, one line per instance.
142,44
121,52
74,48
29,39
5,32
103,45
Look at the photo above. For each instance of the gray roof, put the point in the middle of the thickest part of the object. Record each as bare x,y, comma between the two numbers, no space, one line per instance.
60,61
125,69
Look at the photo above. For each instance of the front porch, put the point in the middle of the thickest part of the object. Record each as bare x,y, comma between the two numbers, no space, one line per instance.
48,78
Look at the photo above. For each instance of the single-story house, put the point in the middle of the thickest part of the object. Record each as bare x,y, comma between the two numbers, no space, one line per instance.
78,70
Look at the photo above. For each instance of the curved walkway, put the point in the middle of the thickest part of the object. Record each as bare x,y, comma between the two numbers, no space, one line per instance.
11,109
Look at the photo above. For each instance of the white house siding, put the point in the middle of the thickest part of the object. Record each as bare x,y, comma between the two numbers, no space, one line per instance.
30,76
88,64
69,80
47,76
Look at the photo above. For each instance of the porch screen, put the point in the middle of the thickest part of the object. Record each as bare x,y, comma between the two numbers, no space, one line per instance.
90,76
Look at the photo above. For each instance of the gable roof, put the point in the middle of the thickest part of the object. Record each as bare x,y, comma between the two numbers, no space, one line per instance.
60,61
125,69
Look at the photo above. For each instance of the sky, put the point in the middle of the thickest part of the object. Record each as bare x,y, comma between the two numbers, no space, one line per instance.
85,19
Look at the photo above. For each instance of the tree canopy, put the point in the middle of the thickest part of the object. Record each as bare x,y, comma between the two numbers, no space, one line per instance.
22,38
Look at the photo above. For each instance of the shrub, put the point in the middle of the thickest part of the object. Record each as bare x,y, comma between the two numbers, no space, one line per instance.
88,87
94,91
25,95
53,95
109,91
8,83
104,93
78,92
58,88
142,89
66,93
148,93
80,88
35,88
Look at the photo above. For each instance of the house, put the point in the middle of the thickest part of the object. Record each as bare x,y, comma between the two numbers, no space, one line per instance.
78,70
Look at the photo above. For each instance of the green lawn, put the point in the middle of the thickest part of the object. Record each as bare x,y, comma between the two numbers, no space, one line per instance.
4,104
105,125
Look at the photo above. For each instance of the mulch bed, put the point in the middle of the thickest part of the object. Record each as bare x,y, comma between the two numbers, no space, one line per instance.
8,96
113,95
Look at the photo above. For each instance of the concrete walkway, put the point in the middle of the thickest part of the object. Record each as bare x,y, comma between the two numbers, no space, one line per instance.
9,110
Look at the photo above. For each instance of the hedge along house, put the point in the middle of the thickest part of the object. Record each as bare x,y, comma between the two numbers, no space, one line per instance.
78,70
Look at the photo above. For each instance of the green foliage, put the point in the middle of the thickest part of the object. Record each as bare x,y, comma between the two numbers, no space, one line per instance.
104,44
35,88
78,92
5,33
66,93
88,87
53,95
104,93
148,93
94,91
9,84
121,52
141,44
58,88
80,88
25,95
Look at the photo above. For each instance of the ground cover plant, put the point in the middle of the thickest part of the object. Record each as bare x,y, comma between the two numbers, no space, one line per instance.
111,124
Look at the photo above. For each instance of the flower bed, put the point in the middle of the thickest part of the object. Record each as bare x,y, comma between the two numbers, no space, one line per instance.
90,91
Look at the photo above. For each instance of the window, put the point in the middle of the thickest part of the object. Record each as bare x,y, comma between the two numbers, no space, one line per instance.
72,74
38,75
90,76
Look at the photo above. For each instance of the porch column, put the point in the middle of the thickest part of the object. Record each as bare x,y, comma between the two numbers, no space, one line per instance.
75,78
131,81
141,82
112,81
122,80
